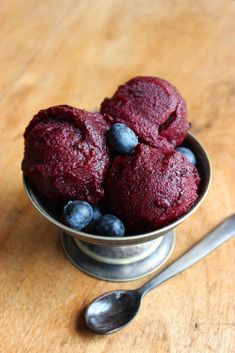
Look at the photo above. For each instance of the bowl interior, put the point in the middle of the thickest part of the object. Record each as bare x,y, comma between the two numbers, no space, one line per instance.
53,212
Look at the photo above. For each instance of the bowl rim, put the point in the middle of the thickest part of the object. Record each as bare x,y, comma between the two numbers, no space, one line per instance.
142,237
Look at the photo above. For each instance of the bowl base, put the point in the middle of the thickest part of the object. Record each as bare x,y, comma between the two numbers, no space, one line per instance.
123,272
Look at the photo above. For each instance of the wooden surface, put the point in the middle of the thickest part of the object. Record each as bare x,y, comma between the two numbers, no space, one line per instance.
77,52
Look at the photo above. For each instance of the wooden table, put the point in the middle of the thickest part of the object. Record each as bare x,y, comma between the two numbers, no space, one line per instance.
77,52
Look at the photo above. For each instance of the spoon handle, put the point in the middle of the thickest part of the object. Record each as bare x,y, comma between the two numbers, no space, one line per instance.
215,238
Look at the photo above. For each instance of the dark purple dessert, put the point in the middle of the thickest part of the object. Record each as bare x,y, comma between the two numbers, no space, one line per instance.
150,189
152,108
66,155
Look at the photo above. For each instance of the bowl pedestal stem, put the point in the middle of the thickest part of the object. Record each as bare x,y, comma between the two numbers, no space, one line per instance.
119,263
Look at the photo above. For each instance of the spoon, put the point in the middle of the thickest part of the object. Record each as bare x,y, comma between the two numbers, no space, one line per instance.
114,310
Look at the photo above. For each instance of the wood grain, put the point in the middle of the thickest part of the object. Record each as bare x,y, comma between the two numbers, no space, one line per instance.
77,52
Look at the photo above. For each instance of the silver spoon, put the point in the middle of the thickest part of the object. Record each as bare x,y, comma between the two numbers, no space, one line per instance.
114,310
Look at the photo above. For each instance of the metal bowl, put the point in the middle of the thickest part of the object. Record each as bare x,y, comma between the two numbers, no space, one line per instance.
128,257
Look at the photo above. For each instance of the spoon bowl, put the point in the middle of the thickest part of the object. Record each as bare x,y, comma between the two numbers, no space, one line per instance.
112,311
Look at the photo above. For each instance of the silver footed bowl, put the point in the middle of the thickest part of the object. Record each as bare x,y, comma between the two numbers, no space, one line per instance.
103,256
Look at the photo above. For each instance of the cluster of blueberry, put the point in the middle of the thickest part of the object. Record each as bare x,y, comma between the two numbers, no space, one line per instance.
81,215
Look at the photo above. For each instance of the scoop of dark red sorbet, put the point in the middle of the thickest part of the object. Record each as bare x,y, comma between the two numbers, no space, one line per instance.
153,108
66,156
150,189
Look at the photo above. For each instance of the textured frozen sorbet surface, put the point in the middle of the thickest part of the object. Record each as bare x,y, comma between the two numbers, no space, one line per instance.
150,189
153,108
66,155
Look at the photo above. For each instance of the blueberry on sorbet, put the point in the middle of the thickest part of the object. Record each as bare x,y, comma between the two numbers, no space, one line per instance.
187,153
77,214
122,138
110,225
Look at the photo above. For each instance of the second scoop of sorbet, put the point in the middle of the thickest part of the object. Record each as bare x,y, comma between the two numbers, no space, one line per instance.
150,189
152,108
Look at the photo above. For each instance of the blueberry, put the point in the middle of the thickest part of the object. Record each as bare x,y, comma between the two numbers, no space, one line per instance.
122,138
110,225
77,214
187,153
97,214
